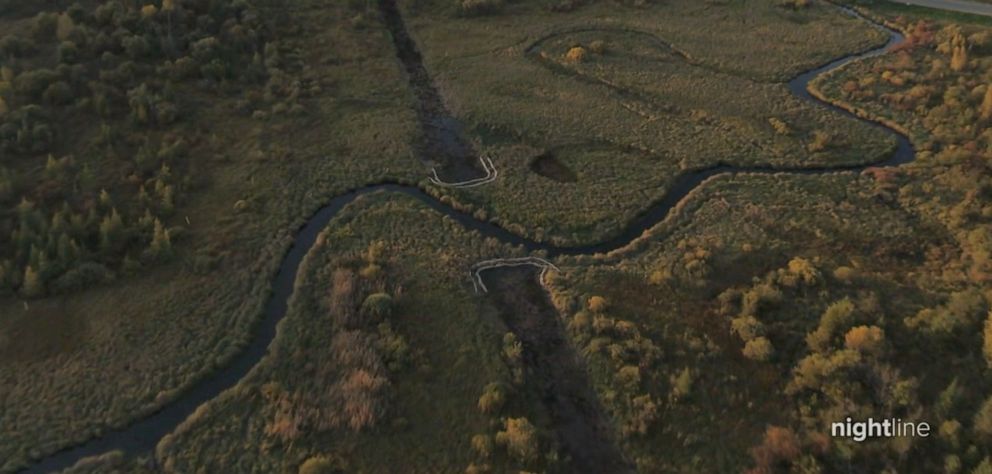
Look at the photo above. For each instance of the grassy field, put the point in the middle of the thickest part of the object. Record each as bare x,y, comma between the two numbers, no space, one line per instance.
77,364
434,352
659,109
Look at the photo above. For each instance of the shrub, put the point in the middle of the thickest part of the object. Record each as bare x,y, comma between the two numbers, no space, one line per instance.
318,465
865,339
820,142
33,83
682,384
779,445
68,52
377,306
83,276
983,419
513,349
483,445
58,93
759,349
597,304
780,127
575,54
629,378
492,399
519,437
643,413
43,26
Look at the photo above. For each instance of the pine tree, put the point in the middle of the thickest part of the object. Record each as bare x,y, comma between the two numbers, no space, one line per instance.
959,53
987,103
32,286
105,200
161,246
110,230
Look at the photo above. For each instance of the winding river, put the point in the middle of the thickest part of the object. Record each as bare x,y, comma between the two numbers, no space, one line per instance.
142,435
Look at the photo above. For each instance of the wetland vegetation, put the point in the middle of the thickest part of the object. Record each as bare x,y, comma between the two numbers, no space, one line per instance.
157,159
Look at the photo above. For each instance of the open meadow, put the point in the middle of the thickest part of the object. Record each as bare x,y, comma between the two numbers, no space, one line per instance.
622,99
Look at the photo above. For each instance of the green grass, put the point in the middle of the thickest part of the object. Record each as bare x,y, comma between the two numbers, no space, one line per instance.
454,352
82,363
627,121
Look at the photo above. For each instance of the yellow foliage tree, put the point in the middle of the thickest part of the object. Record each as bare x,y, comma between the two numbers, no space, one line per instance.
959,53
148,11
519,437
987,103
597,304
576,54
865,339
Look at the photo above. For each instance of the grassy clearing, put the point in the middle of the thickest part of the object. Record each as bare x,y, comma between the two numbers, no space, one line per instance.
628,113
427,410
77,364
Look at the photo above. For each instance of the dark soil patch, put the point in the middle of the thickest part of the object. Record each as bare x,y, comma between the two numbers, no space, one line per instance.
555,370
550,167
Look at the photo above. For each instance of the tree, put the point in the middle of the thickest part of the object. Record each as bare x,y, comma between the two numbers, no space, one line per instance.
377,306
986,110
682,384
32,286
161,245
780,444
111,230
837,315
483,445
865,339
959,55
317,465
576,54
492,399
759,349
984,467
983,419
597,304
519,437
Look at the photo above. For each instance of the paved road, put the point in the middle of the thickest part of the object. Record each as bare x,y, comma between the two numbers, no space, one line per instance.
952,5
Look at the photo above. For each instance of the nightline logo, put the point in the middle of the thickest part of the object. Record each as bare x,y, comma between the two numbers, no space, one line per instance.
872,428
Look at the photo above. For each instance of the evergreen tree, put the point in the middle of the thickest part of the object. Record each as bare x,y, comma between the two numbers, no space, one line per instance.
161,245
111,229
32,286
987,103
